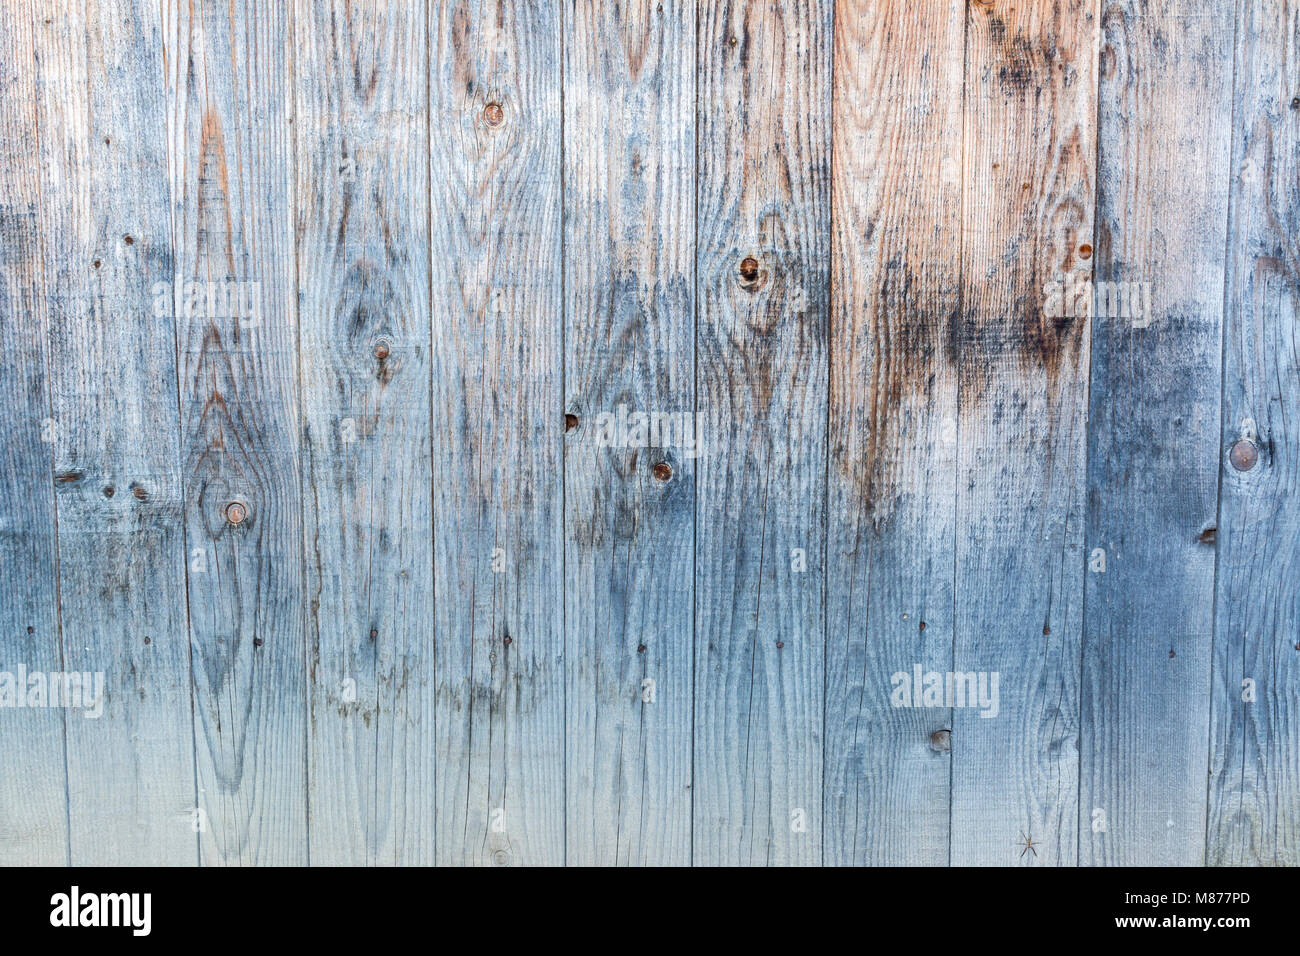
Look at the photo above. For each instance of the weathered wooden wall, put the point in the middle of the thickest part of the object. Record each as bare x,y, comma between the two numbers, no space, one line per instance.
380,565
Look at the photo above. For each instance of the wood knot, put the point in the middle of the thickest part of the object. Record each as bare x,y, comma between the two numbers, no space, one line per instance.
570,422
1244,455
1085,251
749,269
493,114
236,512
1208,536
662,470
381,350
941,741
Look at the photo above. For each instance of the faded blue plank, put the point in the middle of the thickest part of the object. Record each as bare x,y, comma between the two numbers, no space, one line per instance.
363,272
104,152
1153,450
893,426
33,786
1254,791
762,290
1027,219
494,140
231,168
629,351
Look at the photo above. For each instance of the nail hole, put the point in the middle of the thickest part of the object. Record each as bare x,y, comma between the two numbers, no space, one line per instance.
96,263
258,642
109,491
30,629
1046,630
640,648
923,625
139,493
507,640
780,644
147,641
570,422
663,471
129,240
1209,536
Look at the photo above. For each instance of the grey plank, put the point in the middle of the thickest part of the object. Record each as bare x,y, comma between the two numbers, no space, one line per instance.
1027,218
1153,453
231,169
1254,798
104,152
363,266
495,177
33,787
762,290
896,276
629,177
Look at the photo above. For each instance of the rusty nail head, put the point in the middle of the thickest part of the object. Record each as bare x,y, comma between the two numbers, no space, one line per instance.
1244,455
381,349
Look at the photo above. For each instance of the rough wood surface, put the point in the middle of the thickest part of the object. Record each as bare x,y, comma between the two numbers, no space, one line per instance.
1153,450
363,272
1254,793
893,424
495,174
1027,218
762,280
636,432
629,348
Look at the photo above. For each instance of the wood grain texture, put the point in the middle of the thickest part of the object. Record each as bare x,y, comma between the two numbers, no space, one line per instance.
230,147
363,272
104,154
1254,790
33,787
495,243
1027,211
762,277
629,350
896,276
1153,454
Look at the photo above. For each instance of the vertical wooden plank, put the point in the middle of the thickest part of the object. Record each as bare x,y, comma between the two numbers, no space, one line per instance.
33,787
1027,221
362,128
629,351
1163,128
230,143
495,143
896,274
1254,794
762,287
104,151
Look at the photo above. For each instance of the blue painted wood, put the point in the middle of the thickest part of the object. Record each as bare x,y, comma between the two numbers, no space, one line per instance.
1153,450
893,426
363,275
376,571
113,380
1027,218
762,280
33,787
1254,791
495,172
629,488
230,151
